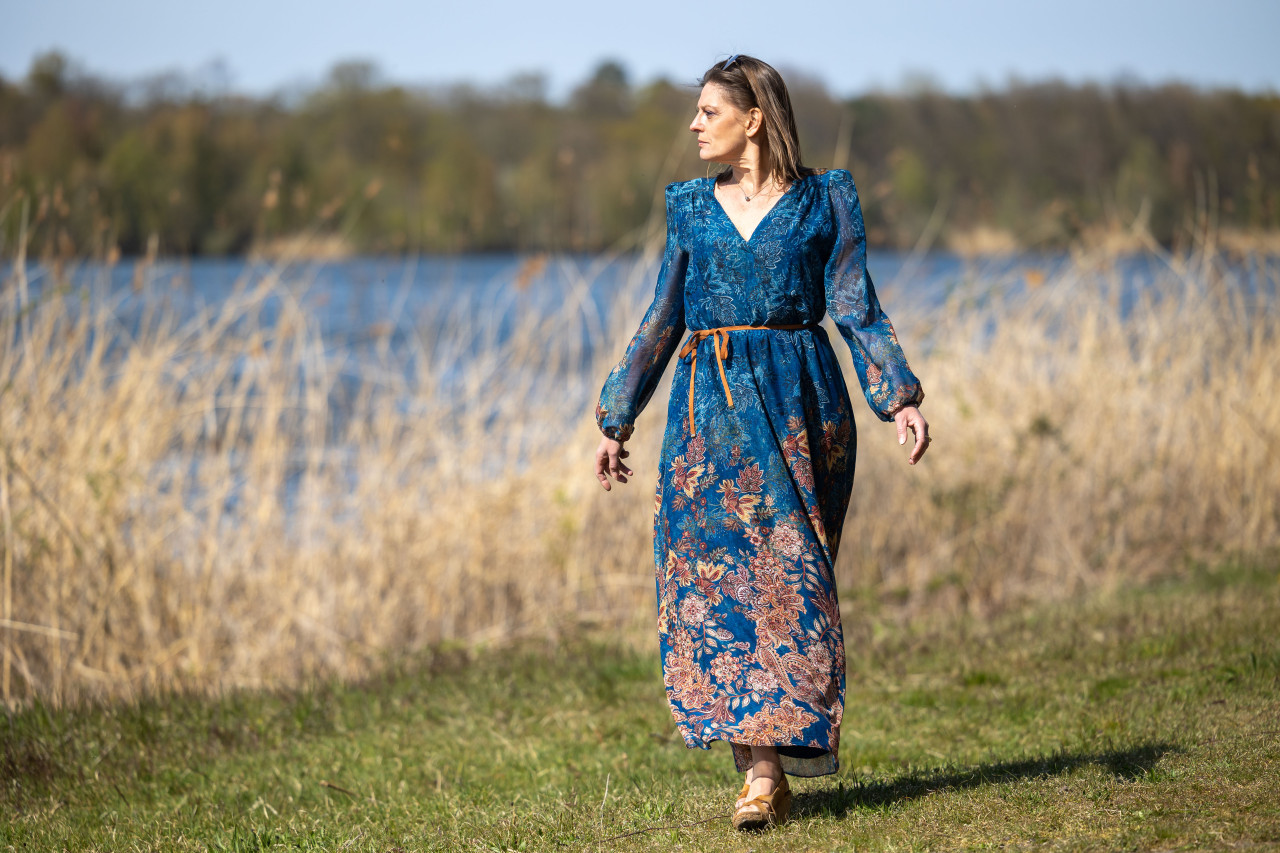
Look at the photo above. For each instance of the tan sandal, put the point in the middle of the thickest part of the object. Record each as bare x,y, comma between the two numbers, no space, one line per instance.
770,809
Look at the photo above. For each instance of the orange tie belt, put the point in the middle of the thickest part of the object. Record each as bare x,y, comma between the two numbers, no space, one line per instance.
718,336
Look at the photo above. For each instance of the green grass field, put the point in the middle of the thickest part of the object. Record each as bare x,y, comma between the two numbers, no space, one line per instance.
1148,719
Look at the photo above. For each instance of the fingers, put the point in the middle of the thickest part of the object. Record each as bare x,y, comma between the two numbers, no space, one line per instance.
920,427
601,459
902,430
609,456
922,444
617,470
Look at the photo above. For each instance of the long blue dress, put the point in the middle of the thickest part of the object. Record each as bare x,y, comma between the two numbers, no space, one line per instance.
752,494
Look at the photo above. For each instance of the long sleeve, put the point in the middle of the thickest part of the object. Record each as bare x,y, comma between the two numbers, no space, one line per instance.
632,382
887,381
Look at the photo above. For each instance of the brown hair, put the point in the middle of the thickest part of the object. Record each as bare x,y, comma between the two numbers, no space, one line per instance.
749,83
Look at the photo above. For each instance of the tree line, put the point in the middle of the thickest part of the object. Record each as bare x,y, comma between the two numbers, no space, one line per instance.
90,167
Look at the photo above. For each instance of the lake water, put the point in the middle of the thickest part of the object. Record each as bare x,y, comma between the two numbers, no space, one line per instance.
348,296
389,320
357,298
464,305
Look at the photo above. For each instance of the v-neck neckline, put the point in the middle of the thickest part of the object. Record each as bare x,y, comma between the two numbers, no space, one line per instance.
711,188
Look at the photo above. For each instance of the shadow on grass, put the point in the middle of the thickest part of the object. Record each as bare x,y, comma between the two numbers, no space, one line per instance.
1128,764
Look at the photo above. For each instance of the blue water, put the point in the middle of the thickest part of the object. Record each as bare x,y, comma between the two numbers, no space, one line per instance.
436,312
356,299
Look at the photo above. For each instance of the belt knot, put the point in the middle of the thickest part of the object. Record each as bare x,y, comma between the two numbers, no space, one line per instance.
720,344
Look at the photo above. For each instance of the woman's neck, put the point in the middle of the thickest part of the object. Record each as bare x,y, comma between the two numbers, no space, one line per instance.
751,173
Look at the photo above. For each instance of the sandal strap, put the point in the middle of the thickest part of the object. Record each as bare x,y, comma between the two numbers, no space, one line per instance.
781,788
761,802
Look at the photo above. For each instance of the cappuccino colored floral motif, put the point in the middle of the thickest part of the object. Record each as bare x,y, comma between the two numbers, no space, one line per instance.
752,493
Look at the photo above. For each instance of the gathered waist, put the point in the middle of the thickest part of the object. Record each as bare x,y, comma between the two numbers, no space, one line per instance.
720,344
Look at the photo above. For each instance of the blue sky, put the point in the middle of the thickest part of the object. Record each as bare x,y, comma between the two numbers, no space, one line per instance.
851,46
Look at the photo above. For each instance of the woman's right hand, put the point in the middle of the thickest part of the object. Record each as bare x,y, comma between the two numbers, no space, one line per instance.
609,456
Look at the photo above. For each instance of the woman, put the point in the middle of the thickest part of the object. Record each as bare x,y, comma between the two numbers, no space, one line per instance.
757,459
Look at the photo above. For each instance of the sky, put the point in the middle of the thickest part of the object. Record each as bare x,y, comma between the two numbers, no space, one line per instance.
263,46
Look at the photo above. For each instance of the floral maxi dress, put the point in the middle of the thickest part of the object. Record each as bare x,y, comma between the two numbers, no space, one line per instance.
757,464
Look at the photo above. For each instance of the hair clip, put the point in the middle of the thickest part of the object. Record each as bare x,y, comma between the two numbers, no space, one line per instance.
729,62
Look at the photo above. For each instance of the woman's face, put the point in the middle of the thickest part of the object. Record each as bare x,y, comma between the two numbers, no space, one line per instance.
723,130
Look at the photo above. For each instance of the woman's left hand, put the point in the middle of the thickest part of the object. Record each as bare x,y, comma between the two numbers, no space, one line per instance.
909,418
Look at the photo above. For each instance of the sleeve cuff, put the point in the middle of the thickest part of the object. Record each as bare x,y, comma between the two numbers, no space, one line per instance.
916,398
616,432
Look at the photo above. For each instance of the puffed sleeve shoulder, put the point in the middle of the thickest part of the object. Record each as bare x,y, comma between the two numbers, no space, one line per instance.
886,379
632,382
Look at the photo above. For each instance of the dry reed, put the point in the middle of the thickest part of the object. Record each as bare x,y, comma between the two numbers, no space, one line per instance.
179,507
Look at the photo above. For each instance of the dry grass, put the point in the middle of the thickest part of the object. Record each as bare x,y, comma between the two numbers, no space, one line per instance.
1095,432
185,509
981,240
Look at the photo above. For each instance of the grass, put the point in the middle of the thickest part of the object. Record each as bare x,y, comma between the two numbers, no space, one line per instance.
1144,719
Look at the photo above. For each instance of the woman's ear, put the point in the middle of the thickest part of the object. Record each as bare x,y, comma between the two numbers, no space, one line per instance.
755,121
